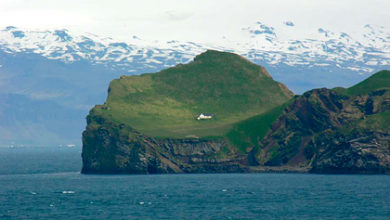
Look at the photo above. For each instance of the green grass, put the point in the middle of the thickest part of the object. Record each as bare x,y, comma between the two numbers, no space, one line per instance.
377,121
379,80
248,133
165,104
341,90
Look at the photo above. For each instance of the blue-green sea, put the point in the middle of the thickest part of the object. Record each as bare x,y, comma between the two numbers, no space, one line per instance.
45,183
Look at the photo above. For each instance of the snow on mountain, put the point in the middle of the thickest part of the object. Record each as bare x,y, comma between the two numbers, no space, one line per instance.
64,46
358,52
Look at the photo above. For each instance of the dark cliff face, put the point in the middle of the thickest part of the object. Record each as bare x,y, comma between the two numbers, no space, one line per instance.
361,151
307,115
112,148
324,130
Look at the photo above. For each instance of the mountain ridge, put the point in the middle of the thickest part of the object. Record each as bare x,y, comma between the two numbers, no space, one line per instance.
323,48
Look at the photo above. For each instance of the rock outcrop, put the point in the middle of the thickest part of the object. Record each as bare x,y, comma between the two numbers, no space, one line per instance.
362,151
328,132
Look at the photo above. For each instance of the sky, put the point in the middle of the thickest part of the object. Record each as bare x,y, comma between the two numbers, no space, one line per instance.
203,21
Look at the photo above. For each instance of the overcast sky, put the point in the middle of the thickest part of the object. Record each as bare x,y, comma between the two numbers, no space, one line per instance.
203,21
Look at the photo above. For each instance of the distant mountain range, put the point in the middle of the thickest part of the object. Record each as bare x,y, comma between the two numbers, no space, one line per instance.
72,71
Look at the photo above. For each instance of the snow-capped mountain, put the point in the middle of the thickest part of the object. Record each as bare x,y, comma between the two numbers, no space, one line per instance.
39,69
363,52
63,46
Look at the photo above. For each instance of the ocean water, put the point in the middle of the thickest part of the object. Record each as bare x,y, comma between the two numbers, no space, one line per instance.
45,183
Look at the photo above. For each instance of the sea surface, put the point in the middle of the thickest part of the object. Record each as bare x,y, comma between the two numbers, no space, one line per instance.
45,183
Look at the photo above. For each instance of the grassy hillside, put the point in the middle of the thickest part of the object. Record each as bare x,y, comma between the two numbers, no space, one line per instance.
249,132
379,80
165,104
377,121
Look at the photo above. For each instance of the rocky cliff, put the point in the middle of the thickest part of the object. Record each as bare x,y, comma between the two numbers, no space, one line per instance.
330,132
116,148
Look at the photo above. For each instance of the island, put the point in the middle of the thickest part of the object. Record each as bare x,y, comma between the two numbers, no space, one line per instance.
155,123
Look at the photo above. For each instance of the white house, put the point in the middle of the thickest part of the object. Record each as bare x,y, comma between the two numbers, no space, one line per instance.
204,116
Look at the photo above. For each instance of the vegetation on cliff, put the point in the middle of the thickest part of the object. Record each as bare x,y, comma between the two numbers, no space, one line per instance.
380,80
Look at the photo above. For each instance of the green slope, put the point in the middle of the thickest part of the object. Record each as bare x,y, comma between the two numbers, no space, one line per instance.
377,121
165,104
248,133
379,80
